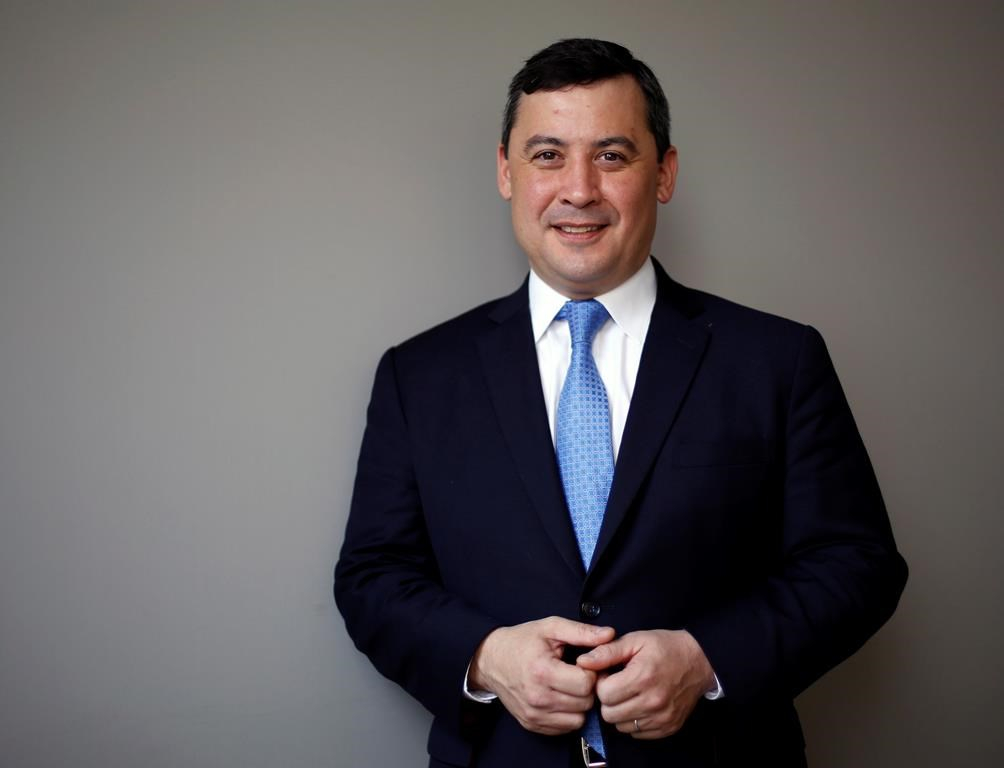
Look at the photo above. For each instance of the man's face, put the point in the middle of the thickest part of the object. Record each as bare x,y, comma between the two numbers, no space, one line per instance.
583,178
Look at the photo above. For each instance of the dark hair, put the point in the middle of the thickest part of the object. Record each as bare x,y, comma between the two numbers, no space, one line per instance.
580,61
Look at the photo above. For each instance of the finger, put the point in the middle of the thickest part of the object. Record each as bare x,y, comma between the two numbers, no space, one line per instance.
569,679
554,724
620,686
576,633
619,651
633,727
555,702
622,710
646,728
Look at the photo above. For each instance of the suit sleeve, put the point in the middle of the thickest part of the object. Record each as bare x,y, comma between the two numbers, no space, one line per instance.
839,576
387,583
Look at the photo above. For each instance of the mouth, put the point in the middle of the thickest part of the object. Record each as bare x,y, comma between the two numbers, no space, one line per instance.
580,229
579,233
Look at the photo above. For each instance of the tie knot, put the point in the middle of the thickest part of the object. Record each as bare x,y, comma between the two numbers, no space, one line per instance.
584,319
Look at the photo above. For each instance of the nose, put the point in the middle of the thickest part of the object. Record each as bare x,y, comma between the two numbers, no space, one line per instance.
580,183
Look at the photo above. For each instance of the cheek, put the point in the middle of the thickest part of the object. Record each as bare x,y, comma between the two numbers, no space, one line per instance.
621,193
635,203
633,192
535,197
531,186
525,219
522,209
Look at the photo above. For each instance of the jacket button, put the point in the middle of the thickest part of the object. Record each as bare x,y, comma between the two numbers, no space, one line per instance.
589,610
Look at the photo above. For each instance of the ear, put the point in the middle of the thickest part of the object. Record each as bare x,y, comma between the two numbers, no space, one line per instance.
666,181
504,180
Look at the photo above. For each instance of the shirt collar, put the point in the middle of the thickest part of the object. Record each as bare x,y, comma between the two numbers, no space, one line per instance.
630,304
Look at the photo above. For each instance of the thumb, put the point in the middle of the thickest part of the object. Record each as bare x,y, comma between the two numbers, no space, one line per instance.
611,654
576,633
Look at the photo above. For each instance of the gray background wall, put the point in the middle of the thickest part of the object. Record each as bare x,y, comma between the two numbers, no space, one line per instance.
215,215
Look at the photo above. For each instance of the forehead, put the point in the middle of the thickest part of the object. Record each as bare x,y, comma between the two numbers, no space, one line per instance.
613,107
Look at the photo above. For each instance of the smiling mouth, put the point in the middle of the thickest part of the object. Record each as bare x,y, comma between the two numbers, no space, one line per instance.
580,230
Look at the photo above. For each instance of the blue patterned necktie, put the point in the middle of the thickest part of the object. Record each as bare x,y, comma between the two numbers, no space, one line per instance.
583,445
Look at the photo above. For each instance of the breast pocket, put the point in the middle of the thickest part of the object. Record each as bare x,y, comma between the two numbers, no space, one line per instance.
724,479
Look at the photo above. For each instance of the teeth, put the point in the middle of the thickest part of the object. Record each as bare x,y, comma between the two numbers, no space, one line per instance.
579,230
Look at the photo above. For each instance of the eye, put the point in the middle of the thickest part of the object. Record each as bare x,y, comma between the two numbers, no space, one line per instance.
546,156
610,156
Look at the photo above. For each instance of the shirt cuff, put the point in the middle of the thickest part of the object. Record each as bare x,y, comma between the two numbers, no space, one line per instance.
484,697
715,693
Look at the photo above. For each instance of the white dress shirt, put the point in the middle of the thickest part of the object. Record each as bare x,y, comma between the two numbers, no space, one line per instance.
616,348
617,351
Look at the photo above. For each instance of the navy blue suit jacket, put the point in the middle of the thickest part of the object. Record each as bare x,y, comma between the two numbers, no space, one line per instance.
743,508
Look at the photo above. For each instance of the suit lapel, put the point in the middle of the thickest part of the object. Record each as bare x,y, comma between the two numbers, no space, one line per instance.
673,351
509,359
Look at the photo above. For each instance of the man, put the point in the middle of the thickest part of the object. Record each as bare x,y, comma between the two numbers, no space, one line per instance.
608,509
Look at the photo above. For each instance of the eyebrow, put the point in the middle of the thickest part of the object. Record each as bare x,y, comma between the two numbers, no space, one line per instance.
538,140
617,141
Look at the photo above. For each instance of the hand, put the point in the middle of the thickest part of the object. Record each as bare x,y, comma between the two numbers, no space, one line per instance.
522,666
664,676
